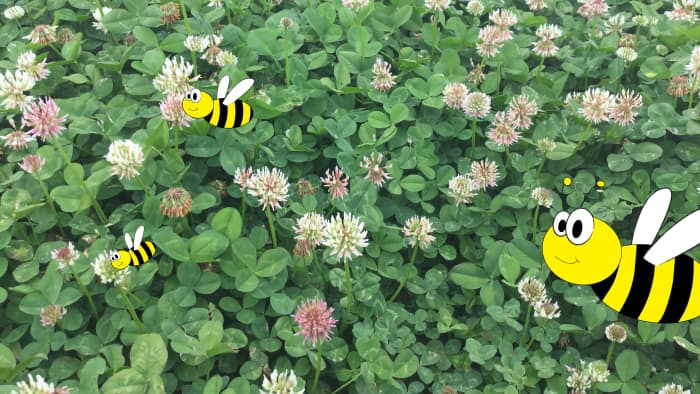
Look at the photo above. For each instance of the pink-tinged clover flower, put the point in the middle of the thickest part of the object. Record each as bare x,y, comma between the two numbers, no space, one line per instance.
383,80
622,111
315,320
484,174
42,35
32,163
336,184
65,256
503,129
596,104
43,119
454,94
242,177
172,112
26,62
375,171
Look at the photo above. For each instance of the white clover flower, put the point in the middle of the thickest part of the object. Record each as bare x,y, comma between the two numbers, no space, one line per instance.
270,187
598,371
225,58
542,196
615,333
462,188
26,62
419,231
98,18
126,157
174,77
547,309
475,7
281,383
310,228
107,273
12,87
532,290
626,54
437,5
196,43
37,385
345,236
13,13
673,388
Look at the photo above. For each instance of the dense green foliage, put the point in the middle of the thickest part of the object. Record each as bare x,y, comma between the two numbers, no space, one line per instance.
212,311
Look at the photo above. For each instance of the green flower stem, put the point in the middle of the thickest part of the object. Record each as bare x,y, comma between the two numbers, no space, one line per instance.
498,75
95,204
585,136
286,58
319,361
85,291
272,226
317,264
333,208
56,50
539,169
610,352
183,10
177,138
143,186
243,206
534,221
435,33
99,9
473,136
692,92
130,307
346,384
508,155
348,283
414,253
51,204
527,323
539,68
532,339
362,43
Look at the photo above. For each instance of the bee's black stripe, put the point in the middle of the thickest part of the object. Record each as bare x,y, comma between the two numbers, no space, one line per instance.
138,256
211,113
641,284
238,114
683,271
148,248
223,114
601,288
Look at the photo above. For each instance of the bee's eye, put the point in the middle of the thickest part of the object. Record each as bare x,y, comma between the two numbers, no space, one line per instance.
560,223
195,96
579,227
188,96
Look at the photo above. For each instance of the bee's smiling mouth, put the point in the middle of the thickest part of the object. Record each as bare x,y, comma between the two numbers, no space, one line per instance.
567,262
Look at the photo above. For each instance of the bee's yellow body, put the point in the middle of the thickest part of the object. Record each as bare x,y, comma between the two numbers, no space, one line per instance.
651,280
229,116
226,110
658,294
132,257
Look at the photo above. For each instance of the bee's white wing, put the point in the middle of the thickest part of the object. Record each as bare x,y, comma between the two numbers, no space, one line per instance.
127,239
680,238
652,217
238,91
223,87
138,236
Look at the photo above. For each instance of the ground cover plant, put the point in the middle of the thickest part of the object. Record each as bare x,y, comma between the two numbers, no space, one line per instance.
376,228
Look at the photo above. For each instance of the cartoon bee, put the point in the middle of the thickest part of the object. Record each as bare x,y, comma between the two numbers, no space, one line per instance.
229,113
136,254
652,281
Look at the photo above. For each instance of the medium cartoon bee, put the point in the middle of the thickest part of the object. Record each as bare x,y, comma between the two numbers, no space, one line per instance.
136,254
652,281
220,113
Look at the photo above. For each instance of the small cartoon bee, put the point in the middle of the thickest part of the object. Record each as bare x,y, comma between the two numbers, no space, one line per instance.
136,254
652,281
220,113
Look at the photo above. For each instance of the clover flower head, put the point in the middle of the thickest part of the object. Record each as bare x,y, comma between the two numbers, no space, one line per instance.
454,94
107,273
532,290
281,383
484,173
382,79
51,314
176,202
547,309
38,385
174,76
437,5
375,171
345,236
42,35
542,196
336,184
26,62
171,13
622,111
126,157
315,320
172,112
12,87
616,333
476,104
503,129
673,388
462,189
98,15
310,227
65,256
596,104
242,177
270,187
419,231
14,12
32,163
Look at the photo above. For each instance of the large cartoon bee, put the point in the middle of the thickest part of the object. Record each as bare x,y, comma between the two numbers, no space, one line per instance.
136,254
227,113
652,281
